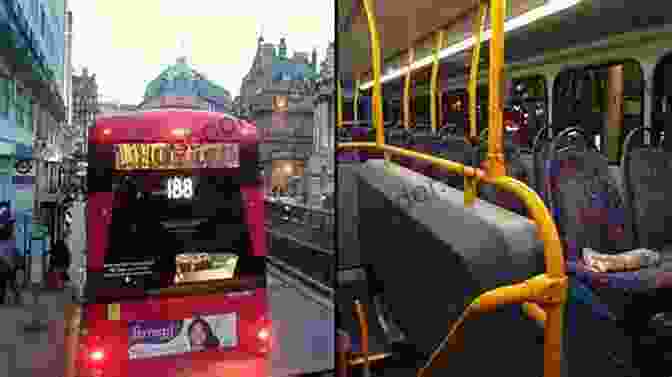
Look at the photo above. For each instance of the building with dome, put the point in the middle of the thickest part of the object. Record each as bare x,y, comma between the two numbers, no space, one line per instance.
181,86
278,95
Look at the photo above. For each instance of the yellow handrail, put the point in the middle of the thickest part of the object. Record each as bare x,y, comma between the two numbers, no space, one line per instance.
377,104
471,184
356,102
339,104
479,24
364,332
407,90
496,166
548,290
435,80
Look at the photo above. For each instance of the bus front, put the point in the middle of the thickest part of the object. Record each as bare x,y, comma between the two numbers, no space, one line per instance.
176,269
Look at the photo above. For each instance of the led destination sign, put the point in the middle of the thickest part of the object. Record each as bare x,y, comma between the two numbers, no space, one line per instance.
176,156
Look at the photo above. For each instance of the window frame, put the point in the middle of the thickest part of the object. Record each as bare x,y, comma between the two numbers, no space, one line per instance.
596,67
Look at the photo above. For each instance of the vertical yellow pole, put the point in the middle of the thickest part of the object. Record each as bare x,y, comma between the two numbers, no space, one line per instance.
339,104
356,101
407,90
496,164
473,73
470,183
72,328
377,87
435,79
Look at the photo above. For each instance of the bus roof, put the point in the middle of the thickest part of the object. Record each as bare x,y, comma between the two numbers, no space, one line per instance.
171,125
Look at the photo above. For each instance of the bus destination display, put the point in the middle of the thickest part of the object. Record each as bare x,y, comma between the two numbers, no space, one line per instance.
161,156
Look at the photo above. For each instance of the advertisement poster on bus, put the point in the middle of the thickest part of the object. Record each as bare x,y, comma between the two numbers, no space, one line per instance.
155,338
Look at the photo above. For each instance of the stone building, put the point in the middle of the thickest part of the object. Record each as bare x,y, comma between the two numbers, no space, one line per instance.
114,107
179,83
321,167
278,94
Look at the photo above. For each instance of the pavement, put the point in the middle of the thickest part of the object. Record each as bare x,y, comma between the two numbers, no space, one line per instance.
33,353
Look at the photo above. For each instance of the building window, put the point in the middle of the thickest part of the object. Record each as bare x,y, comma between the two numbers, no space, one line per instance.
19,110
29,116
317,128
4,95
43,22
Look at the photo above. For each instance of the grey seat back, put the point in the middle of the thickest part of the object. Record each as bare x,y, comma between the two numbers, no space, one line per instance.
434,257
649,189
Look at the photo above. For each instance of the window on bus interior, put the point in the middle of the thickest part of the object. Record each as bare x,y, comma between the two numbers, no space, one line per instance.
662,100
606,100
528,107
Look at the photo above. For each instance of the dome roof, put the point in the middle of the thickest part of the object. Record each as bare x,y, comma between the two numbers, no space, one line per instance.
181,80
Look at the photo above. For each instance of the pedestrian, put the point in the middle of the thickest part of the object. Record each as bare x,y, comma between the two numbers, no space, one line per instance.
60,259
9,261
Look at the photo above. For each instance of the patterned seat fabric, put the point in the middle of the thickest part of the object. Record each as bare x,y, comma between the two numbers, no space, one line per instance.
648,184
590,212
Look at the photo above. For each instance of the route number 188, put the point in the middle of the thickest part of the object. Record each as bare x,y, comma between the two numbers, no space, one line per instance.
180,188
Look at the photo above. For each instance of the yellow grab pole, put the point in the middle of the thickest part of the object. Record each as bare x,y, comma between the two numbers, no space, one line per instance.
356,102
473,73
496,164
407,90
471,183
339,104
435,79
377,88
73,316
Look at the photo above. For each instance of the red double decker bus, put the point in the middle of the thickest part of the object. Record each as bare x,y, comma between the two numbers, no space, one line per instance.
176,263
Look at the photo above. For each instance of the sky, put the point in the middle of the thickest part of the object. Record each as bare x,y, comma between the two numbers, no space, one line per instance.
128,43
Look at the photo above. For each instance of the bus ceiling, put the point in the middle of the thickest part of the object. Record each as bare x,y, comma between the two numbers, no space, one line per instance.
532,32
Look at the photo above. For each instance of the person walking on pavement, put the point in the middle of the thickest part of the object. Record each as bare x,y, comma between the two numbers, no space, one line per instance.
10,261
60,259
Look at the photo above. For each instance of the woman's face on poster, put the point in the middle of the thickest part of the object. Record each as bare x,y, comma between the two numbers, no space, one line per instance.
198,335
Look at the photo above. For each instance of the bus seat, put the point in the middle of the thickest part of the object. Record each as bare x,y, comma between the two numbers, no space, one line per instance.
648,173
433,257
591,213
540,151
515,168
452,148
348,238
